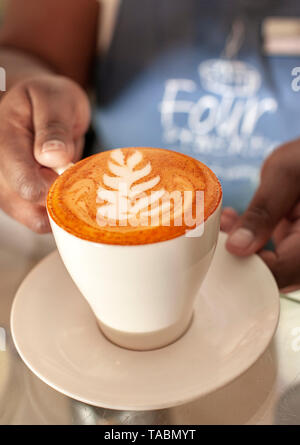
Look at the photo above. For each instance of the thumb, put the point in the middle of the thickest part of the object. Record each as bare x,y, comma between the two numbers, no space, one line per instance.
276,196
61,117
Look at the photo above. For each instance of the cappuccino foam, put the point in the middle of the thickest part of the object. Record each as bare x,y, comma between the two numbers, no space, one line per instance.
133,196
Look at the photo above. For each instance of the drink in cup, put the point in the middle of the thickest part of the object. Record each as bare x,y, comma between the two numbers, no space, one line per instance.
136,229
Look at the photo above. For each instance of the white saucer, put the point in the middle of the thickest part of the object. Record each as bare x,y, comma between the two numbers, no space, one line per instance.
57,336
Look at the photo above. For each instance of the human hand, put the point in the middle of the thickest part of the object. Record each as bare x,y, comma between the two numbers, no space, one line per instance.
274,212
43,121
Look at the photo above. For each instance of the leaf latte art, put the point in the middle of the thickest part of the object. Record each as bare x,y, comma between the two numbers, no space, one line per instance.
127,201
135,195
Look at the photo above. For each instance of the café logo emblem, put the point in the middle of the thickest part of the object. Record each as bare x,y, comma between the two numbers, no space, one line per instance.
219,115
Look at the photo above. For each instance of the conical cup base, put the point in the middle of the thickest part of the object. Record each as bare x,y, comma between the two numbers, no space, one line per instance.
149,340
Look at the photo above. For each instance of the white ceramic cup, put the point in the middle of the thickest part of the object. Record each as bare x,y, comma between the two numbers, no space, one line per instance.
142,296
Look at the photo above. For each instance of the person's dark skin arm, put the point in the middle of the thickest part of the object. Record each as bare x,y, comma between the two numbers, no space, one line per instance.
58,36
46,49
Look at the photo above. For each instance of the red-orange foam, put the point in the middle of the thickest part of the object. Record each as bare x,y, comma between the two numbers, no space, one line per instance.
72,199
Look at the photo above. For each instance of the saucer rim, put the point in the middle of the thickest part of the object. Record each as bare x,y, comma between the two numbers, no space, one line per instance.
148,406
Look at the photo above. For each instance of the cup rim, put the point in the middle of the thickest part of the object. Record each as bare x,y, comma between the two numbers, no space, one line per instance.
217,205
130,245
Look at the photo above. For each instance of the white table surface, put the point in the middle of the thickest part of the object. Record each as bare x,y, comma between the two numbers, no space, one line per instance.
268,393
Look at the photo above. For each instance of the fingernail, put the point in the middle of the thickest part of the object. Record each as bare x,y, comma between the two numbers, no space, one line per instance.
54,145
241,238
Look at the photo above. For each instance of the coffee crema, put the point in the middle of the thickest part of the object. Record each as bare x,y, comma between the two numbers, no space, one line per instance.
133,196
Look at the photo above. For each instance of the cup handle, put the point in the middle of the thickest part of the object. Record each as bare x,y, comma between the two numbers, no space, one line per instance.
61,170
